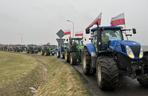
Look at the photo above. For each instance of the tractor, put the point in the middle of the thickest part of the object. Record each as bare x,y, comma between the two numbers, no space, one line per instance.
46,50
110,55
73,50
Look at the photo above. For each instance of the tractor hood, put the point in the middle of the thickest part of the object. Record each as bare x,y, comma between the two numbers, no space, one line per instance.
120,47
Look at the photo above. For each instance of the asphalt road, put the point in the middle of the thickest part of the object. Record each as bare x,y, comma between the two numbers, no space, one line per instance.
127,87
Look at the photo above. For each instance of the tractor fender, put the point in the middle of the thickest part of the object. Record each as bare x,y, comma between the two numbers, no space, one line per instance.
91,49
92,52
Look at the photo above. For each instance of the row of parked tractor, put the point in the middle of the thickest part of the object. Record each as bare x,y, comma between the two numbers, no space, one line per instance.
45,50
107,55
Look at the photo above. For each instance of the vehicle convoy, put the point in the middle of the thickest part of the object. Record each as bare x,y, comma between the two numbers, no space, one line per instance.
32,49
19,48
109,55
73,49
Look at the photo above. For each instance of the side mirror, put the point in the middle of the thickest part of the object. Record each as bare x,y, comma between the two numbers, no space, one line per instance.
87,31
134,31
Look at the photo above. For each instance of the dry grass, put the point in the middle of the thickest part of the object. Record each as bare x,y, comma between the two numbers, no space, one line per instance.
14,66
17,73
63,80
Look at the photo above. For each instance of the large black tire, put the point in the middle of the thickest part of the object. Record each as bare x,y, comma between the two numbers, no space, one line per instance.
67,57
143,80
107,73
73,58
86,60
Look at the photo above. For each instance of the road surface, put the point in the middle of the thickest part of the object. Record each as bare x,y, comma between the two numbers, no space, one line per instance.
127,87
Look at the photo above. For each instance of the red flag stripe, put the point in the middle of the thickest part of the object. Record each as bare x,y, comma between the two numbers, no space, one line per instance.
118,22
79,34
97,21
67,33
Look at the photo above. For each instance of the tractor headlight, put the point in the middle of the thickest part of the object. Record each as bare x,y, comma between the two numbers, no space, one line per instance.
130,52
141,53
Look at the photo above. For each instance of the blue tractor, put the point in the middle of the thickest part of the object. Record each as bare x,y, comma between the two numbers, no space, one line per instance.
109,55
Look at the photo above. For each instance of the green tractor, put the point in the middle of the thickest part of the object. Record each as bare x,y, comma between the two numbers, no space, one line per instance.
73,50
110,54
46,50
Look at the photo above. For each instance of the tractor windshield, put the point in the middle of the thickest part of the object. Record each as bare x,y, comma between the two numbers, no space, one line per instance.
108,35
77,41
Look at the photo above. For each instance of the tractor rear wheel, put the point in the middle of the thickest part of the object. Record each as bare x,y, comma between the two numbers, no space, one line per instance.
86,60
107,73
73,58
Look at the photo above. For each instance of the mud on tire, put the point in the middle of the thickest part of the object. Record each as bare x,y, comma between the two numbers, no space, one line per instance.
107,73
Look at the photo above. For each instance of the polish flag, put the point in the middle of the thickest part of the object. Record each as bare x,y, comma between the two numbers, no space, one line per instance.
79,34
97,21
118,20
67,33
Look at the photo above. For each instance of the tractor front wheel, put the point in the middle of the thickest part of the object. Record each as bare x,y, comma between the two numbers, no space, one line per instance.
107,73
86,60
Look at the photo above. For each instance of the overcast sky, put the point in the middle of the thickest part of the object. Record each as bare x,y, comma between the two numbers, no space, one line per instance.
37,21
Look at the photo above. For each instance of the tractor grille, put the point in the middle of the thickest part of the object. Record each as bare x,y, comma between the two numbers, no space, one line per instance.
136,50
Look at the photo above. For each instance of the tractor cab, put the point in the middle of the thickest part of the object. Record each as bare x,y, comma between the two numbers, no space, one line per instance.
76,41
102,36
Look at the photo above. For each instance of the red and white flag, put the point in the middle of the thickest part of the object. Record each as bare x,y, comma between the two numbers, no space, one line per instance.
97,21
79,34
67,33
118,20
